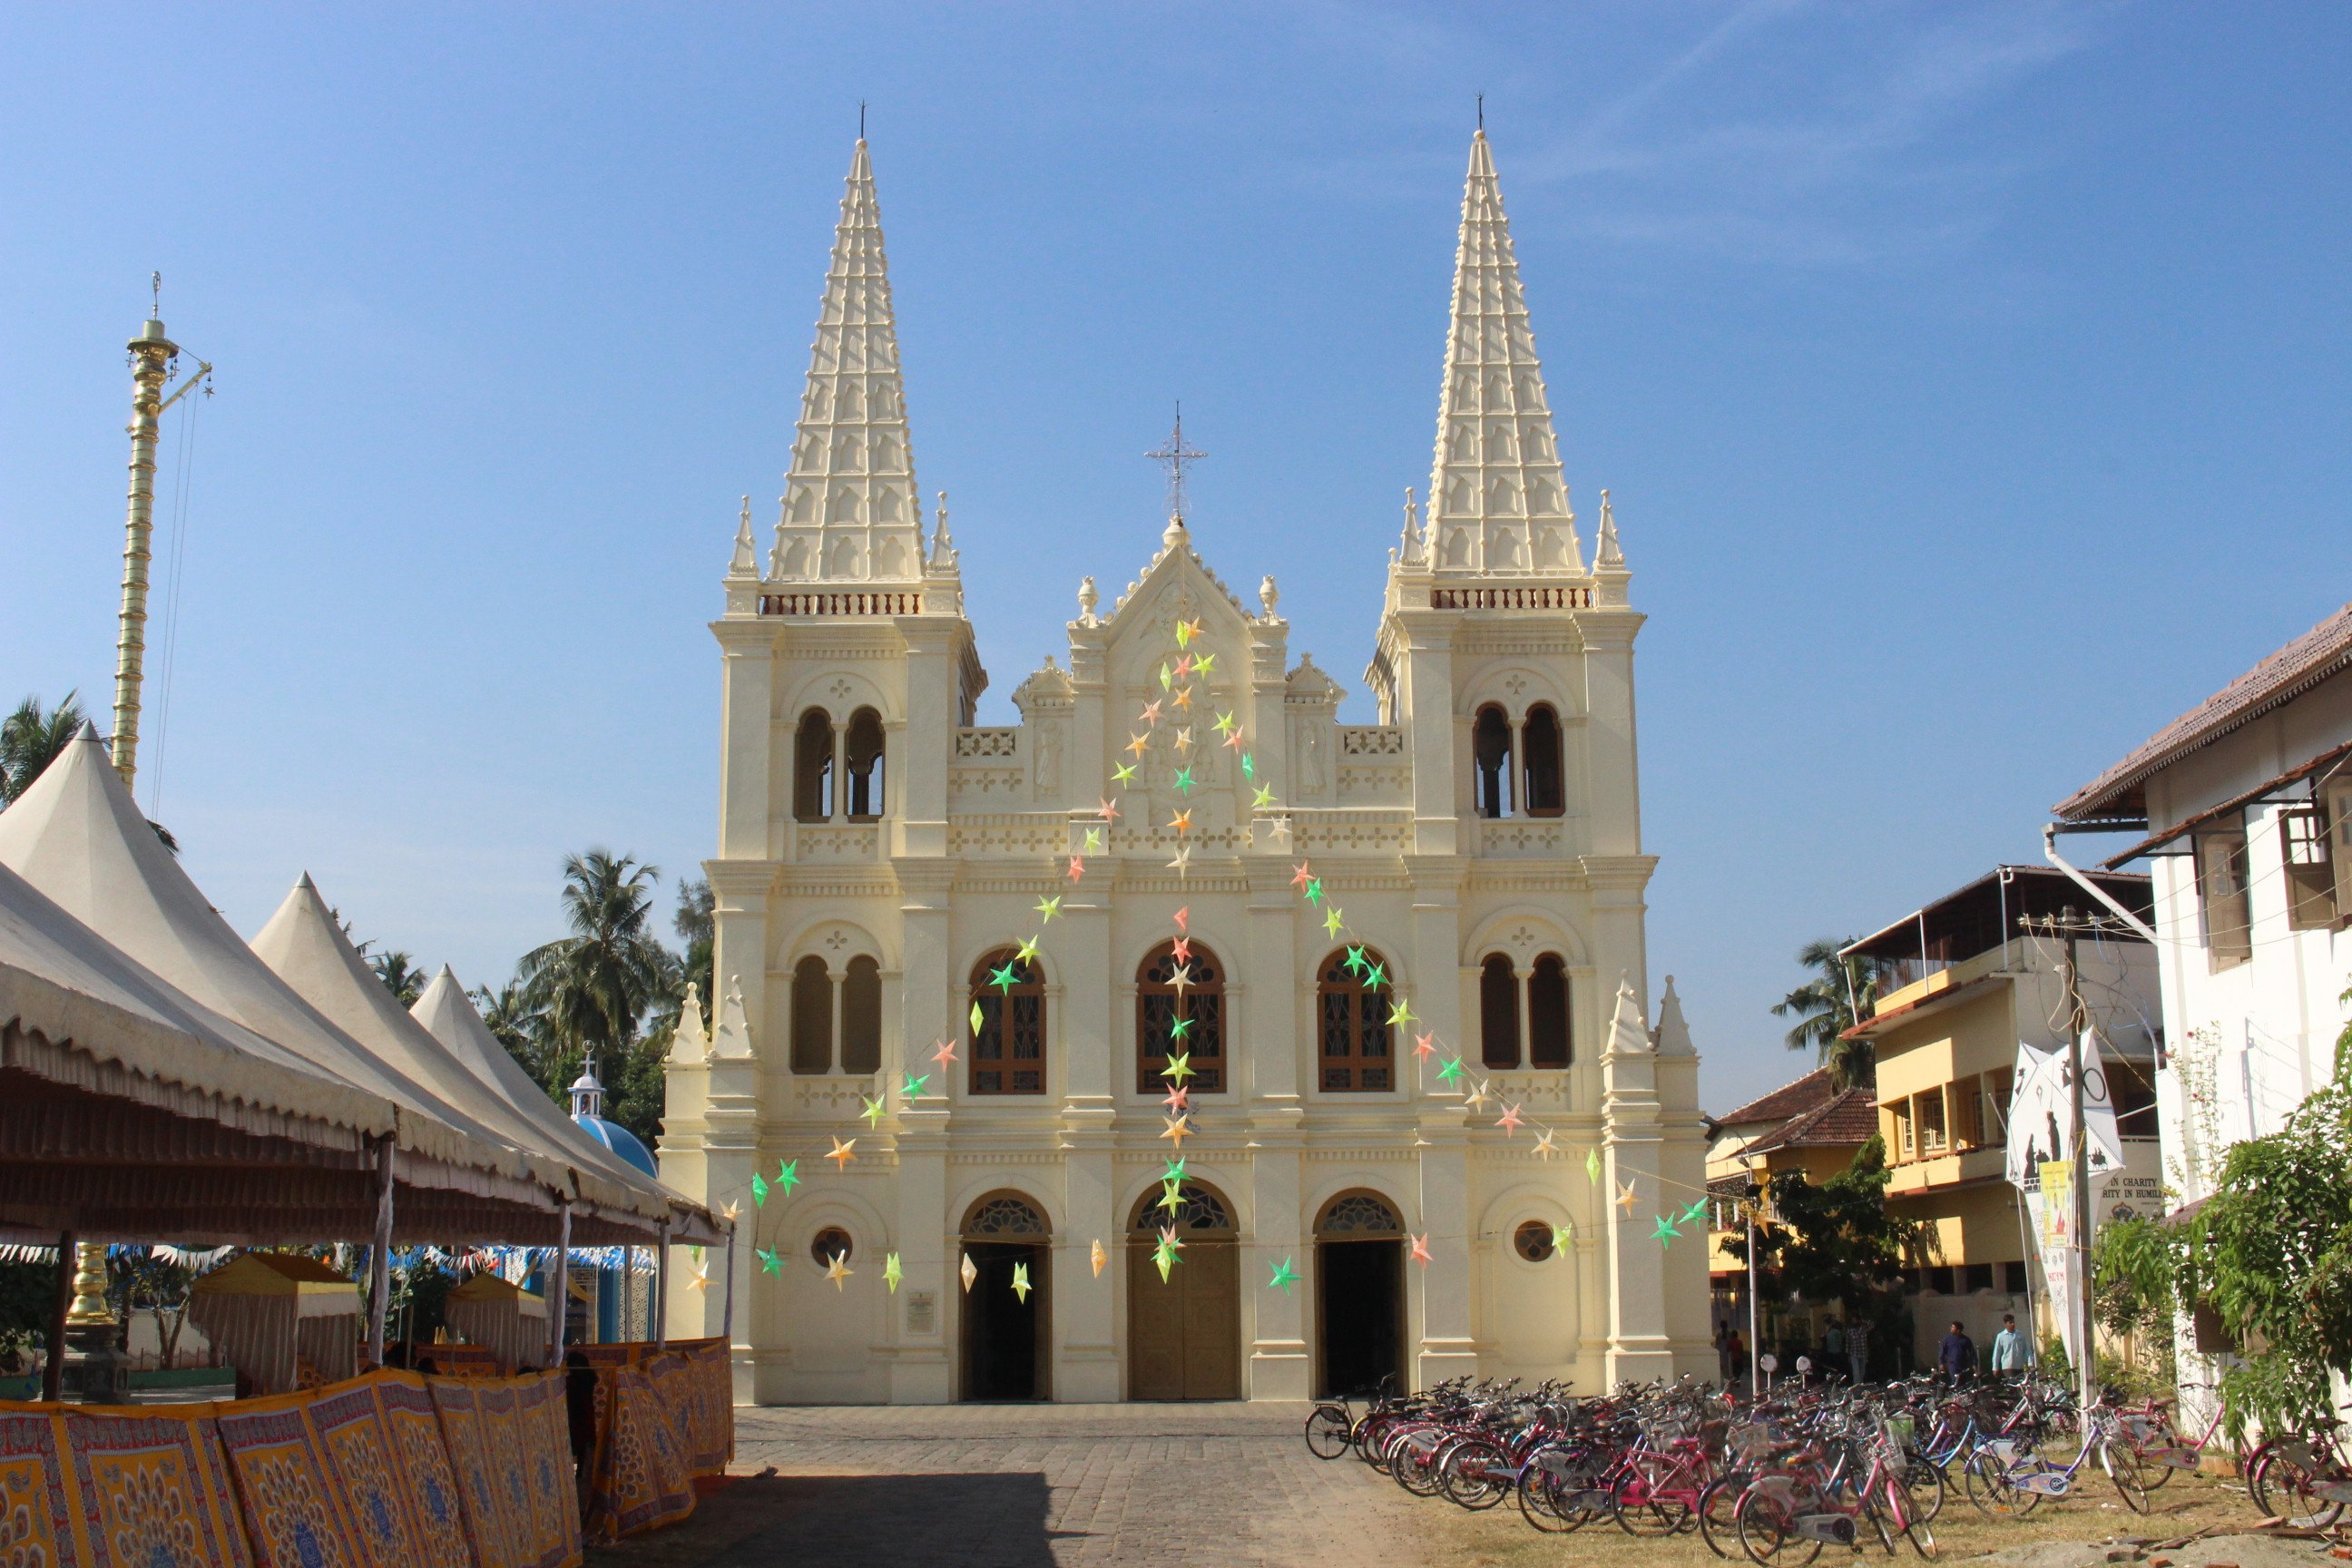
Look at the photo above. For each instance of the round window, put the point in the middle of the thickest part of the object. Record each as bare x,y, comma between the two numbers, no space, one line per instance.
832,1242
1532,1240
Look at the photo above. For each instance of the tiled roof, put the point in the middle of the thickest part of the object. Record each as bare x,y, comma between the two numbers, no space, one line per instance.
1849,1120
1807,1093
2117,794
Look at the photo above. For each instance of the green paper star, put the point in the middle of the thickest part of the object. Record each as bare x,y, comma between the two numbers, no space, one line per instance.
1697,1208
771,1263
1355,962
1122,773
1665,1233
978,1018
788,1175
1004,979
1049,907
1284,1277
1184,781
1561,1236
1313,890
1592,1166
872,1114
1263,798
1093,840
1178,1067
1179,1029
1249,768
914,1084
1175,1170
759,1190
1376,977
1451,1071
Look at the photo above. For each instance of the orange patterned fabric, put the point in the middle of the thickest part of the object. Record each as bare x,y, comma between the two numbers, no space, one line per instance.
36,1525
640,1477
120,1487
421,1461
481,1489
297,1512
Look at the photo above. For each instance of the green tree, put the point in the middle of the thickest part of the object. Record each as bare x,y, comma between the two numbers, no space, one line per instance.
1825,1008
697,927
400,975
507,1015
592,991
1836,1241
31,739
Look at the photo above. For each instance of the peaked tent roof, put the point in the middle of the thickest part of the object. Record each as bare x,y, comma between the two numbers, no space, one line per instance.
1497,501
851,508
77,836
445,1011
306,947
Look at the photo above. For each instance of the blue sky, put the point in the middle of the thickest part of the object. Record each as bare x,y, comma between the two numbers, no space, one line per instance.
1971,380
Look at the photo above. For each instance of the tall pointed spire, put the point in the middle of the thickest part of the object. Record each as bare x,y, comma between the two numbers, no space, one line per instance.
850,507
1496,500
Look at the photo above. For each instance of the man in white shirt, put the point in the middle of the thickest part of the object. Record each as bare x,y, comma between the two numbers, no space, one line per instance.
2010,1351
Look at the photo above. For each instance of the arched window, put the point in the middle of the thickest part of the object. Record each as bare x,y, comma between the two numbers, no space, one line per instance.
1498,1012
813,767
1353,1215
1549,1044
865,747
1541,792
1005,1215
1351,997
1490,753
861,1016
1008,1047
1198,1002
812,1017
1198,1207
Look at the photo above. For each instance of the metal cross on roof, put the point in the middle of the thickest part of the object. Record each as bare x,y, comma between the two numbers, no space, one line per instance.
1172,456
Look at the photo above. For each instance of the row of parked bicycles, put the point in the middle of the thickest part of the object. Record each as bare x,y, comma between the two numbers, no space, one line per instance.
1775,1479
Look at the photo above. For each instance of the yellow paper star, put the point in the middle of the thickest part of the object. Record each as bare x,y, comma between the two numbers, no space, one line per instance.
1402,1012
1333,919
1021,1282
1101,1257
1224,724
1027,949
873,1113
1139,744
1182,821
1178,1067
1263,798
891,1272
1049,907
701,1280
732,1212
1624,1199
1208,663
1123,772
839,1270
1094,840
840,1153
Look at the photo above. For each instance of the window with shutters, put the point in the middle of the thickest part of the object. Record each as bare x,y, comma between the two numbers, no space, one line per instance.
1180,1007
1008,1045
2221,883
2310,868
1351,995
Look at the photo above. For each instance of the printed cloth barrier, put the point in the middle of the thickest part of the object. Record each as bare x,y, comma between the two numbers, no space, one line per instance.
103,1488
693,1379
381,1471
639,1475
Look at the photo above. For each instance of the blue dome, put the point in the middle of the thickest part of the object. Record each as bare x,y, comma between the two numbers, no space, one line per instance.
619,1140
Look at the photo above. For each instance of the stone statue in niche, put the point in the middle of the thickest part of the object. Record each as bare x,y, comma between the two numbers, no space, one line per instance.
1310,759
1049,761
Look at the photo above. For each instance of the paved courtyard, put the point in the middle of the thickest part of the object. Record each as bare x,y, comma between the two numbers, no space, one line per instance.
980,1486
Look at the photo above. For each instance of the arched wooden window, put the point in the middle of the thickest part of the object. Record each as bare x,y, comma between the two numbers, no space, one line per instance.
1198,1207
1160,1004
1351,997
861,1016
865,748
1549,1044
1498,1012
1541,792
813,767
1490,753
812,1017
1008,1048
1352,1216
1006,1214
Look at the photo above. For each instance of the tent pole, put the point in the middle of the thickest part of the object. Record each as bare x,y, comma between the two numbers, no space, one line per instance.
726,1312
661,1289
53,1370
560,1304
380,1265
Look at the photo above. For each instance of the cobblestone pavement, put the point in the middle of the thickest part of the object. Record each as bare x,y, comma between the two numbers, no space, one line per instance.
979,1486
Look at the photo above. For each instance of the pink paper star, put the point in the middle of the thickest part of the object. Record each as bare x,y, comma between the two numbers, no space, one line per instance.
1424,1044
1150,714
1510,1118
945,1054
1300,874
1185,665
1182,948
1109,810
1178,1098
1421,1250
1233,740
1078,867
1183,919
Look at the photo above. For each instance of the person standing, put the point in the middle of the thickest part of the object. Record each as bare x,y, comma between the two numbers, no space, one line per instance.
1857,1348
1735,1356
1956,1357
2010,1352
1832,1349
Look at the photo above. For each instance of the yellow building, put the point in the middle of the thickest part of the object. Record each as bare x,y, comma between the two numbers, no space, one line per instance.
1963,982
1809,1125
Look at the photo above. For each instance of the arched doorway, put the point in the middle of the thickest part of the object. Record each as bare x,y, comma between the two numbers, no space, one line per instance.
1359,1295
1184,1332
1006,1337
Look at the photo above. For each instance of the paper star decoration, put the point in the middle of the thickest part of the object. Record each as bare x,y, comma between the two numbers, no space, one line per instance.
1021,1282
977,1017
914,1084
1249,766
1181,977
1425,1045
1665,1233
840,1153
759,1189
1477,1098
1300,874
1624,1199
1185,665
1376,977
1171,1197
1561,1235
1166,678
1178,1030
788,1175
1187,631
1178,1098
1175,1170
1150,714
1234,742
1178,1067
731,1213
701,1280
1184,785
839,1270
968,1273
1179,1129
1182,948
1402,1012
1224,723
1333,921
1107,810
1183,864
1163,1261
1139,744
1281,830
891,1272
1421,1249
1005,978
1078,867
1101,1257
1697,1208
1207,665
1169,1241
771,1263
1182,821
1183,918
1314,890
1545,1147
1093,840
1509,1120
1050,908
872,1114
1592,1166
1026,951
1284,1277
1451,1071
1263,798
945,1054
1122,773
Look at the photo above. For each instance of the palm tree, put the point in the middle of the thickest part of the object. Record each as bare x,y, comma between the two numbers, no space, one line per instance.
30,740
592,989
1825,1007
507,1015
400,975
697,925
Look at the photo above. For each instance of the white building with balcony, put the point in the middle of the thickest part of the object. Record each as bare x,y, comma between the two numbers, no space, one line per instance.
935,938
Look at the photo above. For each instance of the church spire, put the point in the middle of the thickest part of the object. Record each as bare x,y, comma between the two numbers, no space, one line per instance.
850,507
1496,500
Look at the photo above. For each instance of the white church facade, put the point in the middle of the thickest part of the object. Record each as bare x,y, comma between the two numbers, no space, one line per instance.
1381,989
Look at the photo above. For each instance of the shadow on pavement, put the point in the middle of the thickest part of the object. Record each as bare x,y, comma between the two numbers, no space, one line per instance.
985,1519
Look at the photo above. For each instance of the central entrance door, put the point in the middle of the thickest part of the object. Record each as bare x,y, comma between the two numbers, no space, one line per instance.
1359,1295
1005,1328
1185,1333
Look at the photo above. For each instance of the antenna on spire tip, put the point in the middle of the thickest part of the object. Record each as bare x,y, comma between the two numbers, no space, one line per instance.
861,120
1482,111
155,293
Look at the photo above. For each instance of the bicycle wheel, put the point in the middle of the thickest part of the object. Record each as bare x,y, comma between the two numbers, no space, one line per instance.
1718,1502
1923,1538
1922,1487
1472,1476
2285,1486
1539,1502
1328,1431
1414,1466
1768,1532
2123,1468
1634,1504
1985,1480
1874,1512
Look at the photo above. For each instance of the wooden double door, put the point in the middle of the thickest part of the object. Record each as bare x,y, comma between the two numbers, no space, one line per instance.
1185,1333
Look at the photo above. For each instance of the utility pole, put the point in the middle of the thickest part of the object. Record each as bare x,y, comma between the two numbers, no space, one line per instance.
2078,1153
1755,1308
